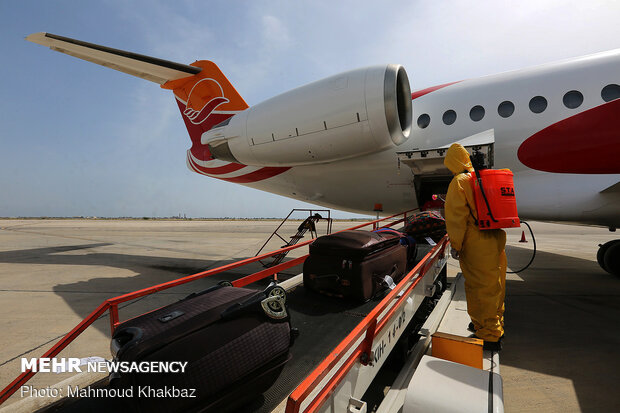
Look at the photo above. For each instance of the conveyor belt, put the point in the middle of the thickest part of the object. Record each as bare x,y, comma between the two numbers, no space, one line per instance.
323,322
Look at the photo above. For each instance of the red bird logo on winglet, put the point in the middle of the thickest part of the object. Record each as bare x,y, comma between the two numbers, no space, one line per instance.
198,107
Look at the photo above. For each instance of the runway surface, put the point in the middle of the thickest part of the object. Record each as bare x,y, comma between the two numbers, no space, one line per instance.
562,316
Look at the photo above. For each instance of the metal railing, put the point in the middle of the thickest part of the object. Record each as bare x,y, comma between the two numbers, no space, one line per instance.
112,304
310,213
369,328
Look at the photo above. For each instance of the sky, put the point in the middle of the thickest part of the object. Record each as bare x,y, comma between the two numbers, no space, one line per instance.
77,139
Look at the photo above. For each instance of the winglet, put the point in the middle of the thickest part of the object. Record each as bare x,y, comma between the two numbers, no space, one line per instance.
142,66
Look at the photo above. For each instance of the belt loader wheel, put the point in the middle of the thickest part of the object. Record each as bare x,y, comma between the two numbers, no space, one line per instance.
608,257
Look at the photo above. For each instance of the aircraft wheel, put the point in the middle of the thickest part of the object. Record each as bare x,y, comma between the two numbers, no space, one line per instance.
600,255
612,258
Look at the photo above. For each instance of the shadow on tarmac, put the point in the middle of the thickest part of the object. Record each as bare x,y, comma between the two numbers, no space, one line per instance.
563,320
323,321
85,295
562,315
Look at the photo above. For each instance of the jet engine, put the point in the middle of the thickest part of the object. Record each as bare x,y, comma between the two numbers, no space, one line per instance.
351,114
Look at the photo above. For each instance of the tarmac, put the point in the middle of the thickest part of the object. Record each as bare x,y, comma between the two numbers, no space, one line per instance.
562,313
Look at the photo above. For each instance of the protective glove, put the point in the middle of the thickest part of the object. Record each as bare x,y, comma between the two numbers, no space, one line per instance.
454,253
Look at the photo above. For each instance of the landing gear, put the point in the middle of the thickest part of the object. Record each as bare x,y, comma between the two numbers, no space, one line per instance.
608,256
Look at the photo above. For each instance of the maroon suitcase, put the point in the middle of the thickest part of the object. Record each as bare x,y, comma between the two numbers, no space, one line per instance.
354,264
235,340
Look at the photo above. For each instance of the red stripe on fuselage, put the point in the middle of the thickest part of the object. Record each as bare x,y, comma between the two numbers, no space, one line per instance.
586,143
428,90
256,176
220,170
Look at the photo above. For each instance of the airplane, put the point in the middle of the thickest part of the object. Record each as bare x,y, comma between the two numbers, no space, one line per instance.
347,141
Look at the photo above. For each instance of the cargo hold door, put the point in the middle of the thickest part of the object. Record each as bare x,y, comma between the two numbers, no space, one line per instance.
431,177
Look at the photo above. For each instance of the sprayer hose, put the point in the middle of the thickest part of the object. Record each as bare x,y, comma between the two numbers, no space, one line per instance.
533,254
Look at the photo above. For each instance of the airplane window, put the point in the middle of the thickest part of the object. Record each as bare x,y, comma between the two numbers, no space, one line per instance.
476,113
573,99
449,117
424,120
610,92
506,109
538,104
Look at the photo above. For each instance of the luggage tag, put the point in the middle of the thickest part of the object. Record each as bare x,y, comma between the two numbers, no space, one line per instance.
390,283
274,308
430,241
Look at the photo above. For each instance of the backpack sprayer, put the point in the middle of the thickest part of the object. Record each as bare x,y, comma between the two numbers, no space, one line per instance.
499,208
497,205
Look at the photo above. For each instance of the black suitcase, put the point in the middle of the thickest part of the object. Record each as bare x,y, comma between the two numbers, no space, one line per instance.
235,340
424,247
354,264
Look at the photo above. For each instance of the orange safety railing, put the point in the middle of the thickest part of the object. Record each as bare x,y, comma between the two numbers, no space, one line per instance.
369,327
111,304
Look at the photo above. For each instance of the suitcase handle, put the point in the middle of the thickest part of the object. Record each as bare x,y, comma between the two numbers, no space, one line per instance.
125,339
249,305
322,280
387,280
390,231
208,290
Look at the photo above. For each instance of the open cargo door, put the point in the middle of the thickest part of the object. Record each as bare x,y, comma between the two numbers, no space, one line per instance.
431,177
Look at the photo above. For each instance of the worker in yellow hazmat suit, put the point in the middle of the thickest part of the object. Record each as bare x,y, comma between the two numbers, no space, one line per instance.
480,253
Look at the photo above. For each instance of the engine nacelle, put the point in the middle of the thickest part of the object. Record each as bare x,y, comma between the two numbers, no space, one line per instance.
351,114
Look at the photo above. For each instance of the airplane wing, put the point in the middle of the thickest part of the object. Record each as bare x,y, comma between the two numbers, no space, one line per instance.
145,67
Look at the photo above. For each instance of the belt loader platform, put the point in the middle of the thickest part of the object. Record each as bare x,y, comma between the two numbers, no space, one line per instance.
359,336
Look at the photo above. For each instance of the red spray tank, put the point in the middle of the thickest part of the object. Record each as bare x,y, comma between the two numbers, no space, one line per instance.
495,201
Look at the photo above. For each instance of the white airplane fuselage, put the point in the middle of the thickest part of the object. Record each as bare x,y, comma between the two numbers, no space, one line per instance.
338,142
334,142
358,184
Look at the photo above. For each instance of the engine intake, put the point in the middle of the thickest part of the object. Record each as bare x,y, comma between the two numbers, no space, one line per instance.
351,114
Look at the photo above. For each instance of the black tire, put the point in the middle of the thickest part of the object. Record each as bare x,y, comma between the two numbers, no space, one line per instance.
600,255
612,258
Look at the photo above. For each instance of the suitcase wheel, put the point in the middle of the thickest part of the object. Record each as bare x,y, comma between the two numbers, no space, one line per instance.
274,304
277,291
225,284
